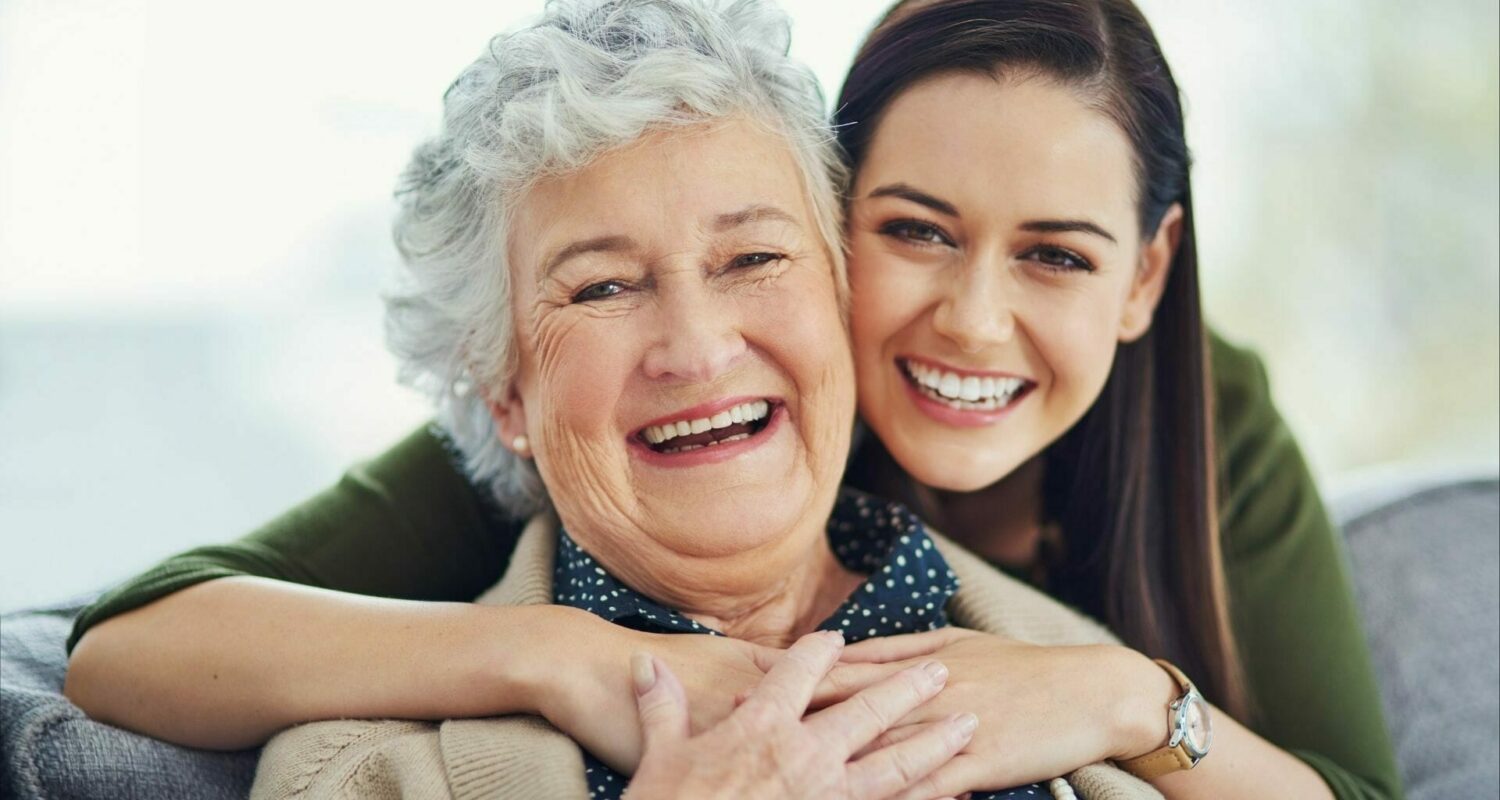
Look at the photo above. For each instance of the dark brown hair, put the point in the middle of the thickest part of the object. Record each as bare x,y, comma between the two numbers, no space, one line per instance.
1132,484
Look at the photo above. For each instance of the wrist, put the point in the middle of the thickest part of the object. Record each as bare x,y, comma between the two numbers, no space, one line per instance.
542,656
1142,692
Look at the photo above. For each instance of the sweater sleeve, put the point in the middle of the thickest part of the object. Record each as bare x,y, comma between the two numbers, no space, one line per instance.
1291,602
407,525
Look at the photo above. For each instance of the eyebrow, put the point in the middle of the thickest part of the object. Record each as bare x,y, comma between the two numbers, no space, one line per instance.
1066,226
598,244
749,214
619,244
908,192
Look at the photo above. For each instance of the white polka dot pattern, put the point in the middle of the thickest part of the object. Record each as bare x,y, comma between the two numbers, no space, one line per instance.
907,590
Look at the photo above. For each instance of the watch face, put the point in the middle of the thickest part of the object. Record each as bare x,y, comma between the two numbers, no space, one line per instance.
1197,731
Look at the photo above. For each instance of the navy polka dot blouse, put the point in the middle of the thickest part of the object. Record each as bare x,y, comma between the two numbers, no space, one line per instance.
909,584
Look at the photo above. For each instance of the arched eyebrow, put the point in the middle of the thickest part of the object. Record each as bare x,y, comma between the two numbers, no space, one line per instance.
906,191
1066,226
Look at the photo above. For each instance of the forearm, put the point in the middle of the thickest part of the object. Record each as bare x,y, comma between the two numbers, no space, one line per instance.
1244,765
228,663
1240,763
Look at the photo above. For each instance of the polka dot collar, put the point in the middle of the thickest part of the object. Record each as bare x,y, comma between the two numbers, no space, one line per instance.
908,586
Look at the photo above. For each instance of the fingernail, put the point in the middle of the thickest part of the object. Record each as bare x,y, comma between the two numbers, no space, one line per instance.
643,672
835,637
967,723
936,671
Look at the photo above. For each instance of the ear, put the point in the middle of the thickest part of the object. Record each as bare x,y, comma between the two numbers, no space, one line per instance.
509,413
1151,276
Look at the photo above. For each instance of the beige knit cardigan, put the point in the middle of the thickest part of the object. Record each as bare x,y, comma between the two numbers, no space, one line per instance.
524,757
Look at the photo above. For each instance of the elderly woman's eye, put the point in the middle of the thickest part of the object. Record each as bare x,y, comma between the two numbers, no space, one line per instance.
1057,258
599,291
755,260
916,231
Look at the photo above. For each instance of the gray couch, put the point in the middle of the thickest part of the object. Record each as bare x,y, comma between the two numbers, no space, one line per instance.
1426,559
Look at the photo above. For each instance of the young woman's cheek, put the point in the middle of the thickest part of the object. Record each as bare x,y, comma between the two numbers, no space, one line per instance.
1072,328
888,294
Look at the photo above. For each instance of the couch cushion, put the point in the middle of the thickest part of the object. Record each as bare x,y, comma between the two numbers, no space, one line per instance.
52,751
1427,577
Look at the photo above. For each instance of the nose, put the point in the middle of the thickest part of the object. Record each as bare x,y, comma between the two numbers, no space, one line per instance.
698,339
976,311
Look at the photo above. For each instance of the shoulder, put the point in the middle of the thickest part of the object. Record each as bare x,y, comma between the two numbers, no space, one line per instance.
989,600
1243,409
1264,483
1268,502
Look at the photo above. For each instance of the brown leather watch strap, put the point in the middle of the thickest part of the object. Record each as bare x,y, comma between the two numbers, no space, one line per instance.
1153,765
1157,763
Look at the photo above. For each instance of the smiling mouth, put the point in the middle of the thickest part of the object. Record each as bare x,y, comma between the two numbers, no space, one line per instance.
730,425
964,392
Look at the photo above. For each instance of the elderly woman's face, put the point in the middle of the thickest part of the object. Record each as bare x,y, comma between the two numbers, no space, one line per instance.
685,378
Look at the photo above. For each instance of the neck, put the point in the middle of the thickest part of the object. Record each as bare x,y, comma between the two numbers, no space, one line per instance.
1001,522
789,608
770,594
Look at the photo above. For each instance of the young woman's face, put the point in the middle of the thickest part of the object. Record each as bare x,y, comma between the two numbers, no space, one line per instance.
996,263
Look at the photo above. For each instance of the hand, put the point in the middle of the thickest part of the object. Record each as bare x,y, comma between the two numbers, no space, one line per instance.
590,697
1043,711
768,748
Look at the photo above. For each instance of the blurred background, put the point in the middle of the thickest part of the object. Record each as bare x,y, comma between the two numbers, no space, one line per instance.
194,227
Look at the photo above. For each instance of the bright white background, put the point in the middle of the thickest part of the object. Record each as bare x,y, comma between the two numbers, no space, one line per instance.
194,226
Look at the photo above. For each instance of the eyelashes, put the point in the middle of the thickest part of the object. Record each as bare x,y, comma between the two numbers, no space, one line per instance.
599,291
1056,258
751,262
916,232
920,234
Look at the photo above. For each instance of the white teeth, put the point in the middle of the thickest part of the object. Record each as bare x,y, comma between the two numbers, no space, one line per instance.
742,413
963,391
970,390
951,385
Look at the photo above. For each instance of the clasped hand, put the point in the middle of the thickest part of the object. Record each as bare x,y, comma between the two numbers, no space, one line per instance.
1041,711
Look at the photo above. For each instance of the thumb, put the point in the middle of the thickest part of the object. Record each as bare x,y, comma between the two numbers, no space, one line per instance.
660,699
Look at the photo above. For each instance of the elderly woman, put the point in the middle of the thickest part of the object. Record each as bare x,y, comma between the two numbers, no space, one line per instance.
625,288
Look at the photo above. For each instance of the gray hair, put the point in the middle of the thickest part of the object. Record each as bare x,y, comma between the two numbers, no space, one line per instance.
546,100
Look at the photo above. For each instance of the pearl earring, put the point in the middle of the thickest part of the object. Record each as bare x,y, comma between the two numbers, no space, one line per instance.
520,444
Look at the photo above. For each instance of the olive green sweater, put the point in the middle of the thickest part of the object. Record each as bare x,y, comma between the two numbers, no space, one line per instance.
410,525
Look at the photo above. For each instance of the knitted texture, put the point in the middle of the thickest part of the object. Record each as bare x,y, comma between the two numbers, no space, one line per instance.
525,758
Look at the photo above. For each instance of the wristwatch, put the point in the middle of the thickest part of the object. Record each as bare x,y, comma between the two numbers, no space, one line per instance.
1189,734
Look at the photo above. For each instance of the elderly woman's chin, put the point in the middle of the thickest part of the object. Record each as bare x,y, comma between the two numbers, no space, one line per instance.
685,375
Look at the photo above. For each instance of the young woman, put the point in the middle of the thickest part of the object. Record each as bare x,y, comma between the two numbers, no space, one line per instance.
1034,376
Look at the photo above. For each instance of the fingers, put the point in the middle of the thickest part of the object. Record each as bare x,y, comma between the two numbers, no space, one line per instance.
856,722
904,769
898,648
959,775
895,735
844,680
660,700
789,685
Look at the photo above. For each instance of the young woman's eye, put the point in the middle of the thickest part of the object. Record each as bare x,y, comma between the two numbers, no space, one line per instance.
599,291
1058,258
749,260
916,232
